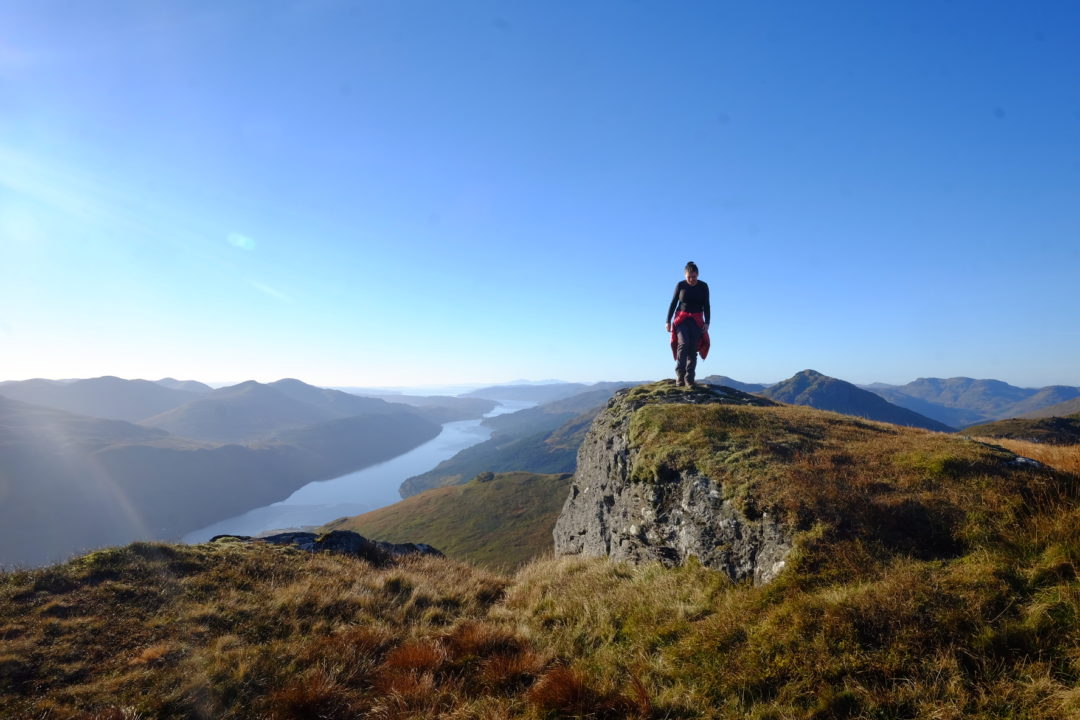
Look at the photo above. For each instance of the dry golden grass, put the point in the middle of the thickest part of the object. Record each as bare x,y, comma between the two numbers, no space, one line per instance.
1062,457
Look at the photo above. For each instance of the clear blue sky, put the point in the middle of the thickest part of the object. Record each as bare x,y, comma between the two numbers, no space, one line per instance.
388,193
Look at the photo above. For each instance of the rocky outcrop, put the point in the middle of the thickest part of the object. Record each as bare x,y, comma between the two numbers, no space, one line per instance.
342,542
680,515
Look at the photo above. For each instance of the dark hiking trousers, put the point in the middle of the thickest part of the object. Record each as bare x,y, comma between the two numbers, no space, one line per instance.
689,335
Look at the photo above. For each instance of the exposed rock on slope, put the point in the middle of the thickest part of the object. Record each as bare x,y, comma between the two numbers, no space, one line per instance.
341,542
608,514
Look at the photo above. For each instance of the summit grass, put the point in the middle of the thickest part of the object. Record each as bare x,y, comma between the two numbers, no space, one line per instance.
966,606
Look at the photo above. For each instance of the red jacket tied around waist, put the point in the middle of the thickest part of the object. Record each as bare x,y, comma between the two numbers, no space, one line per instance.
699,318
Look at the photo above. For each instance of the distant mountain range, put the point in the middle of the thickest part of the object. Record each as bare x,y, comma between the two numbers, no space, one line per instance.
73,482
1064,409
962,401
243,413
954,402
253,411
105,397
813,389
542,393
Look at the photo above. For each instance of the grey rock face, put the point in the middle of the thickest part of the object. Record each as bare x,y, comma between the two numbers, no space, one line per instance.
670,520
344,542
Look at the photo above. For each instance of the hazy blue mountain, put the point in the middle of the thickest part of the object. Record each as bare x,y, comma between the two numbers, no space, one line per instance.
187,385
252,411
345,404
240,413
957,417
23,422
1065,409
342,404
813,389
733,383
962,401
991,397
529,393
1046,398
444,408
74,482
106,397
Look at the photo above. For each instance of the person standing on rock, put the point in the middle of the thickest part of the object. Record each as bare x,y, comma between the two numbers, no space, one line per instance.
689,327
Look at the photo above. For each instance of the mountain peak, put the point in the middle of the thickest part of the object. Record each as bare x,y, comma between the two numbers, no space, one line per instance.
814,389
289,382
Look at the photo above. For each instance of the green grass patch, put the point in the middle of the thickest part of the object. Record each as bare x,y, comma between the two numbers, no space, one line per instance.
498,521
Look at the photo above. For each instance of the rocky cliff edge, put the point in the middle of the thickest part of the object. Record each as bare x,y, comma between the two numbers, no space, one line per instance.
676,513
749,486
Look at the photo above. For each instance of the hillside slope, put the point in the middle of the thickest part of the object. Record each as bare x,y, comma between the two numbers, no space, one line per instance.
1053,430
498,521
931,577
1064,409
